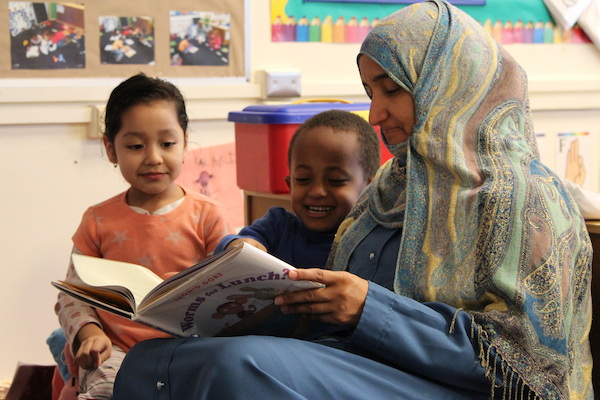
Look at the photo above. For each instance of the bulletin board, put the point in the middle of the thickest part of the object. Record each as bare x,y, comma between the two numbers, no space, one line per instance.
84,16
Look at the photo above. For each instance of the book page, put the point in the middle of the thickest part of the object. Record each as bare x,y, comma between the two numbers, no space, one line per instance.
106,300
96,271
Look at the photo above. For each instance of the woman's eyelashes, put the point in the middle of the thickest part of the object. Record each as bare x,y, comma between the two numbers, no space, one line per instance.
387,90
390,87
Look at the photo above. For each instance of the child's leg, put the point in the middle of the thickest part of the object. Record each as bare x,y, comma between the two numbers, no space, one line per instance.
97,384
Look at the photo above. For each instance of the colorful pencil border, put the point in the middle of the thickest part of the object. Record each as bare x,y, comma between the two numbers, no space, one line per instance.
355,29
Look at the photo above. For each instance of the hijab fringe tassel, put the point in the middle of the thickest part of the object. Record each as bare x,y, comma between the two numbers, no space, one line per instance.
514,381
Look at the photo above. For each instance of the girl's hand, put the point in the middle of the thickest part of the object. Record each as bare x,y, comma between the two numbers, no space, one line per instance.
95,347
251,242
340,302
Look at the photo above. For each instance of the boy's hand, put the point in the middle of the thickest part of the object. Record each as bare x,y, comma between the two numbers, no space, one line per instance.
340,302
250,241
95,347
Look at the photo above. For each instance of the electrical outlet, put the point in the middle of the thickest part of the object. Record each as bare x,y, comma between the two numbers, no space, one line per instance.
96,126
282,83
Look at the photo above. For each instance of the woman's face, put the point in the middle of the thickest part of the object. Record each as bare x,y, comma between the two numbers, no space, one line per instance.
392,107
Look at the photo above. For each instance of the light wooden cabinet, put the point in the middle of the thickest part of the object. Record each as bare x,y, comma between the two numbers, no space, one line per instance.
256,204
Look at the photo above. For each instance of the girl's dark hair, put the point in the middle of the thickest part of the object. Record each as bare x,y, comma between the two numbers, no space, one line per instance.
140,89
344,121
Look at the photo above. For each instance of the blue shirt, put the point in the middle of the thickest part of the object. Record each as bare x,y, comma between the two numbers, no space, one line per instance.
408,334
287,238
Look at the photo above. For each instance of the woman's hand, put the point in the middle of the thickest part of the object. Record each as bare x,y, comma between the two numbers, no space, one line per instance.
95,347
340,302
251,242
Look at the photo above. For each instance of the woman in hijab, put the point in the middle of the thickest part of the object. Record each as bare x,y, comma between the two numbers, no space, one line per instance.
464,270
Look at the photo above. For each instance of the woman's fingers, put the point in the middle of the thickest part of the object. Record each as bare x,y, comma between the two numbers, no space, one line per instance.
339,301
314,274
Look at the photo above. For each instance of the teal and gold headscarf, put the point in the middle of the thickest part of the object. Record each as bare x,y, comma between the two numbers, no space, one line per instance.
486,227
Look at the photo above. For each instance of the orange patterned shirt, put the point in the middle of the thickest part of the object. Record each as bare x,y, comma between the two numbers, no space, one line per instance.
164,243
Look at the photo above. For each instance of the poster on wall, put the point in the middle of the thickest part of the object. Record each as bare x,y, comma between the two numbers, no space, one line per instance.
590,22
324,21
574,150
46,35
199,38
456,2
566,13
211,171
126,40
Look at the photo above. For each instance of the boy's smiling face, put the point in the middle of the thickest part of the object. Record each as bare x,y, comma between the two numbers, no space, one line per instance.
326,177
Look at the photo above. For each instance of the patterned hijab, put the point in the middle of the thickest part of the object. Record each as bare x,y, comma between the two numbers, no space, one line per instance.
485,226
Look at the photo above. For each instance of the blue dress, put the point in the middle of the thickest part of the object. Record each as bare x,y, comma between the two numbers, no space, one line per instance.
400,349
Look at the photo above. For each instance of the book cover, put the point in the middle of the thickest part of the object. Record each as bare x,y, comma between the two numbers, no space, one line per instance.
229,294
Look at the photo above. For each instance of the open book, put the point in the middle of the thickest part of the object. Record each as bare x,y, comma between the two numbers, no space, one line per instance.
228,294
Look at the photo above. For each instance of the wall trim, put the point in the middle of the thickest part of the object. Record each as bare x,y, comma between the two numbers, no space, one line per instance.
76,101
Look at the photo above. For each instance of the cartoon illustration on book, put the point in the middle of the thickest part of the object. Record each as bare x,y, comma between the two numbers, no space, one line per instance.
237,301
235,307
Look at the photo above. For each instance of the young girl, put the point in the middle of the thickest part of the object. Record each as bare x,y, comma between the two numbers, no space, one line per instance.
156,223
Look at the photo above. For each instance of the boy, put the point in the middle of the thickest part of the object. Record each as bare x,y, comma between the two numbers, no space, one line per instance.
332,157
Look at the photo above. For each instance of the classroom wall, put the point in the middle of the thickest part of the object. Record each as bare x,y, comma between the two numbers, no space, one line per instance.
51,171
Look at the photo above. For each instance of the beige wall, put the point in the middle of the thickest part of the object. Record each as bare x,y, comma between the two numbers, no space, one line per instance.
50,172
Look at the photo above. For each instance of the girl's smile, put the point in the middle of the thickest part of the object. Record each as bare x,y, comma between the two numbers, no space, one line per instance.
154,175
150,148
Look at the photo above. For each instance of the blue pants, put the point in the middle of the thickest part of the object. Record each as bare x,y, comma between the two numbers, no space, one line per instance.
261,367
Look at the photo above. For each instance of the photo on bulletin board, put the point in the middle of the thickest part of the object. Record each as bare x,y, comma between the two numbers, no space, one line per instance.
199,38
126,40
87,28
574,156
46,35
